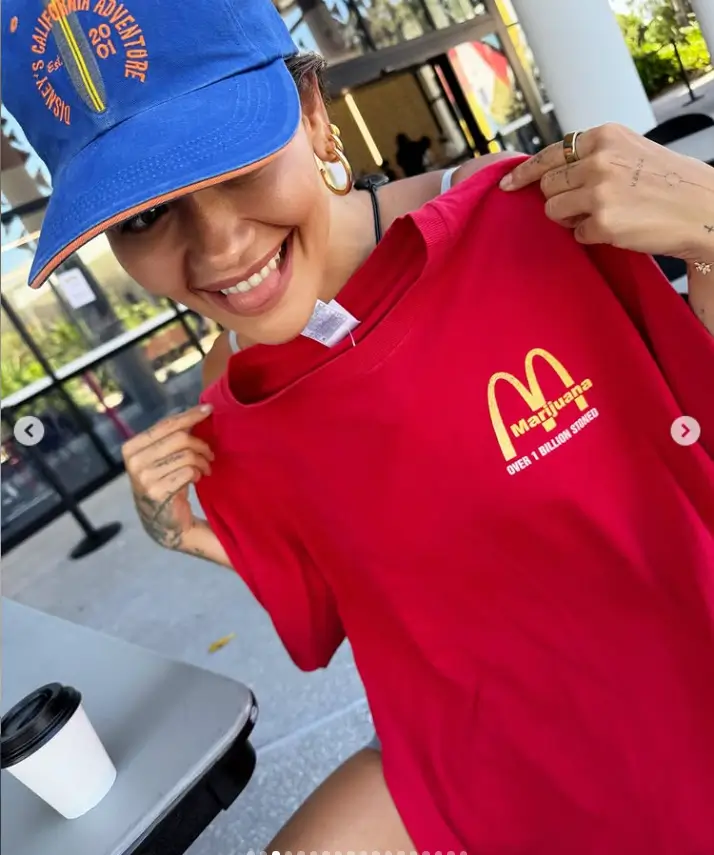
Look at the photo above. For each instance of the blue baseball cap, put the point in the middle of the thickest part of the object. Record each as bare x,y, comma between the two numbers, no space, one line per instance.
133,103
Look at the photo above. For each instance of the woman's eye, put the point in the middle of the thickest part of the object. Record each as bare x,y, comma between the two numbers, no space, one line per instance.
143,221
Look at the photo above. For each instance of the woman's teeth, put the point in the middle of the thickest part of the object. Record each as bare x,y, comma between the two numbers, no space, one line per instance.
254,280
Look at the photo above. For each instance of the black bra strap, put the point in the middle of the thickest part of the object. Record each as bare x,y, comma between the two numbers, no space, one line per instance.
372,183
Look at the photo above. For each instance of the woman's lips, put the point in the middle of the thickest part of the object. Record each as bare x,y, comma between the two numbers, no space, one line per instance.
263,297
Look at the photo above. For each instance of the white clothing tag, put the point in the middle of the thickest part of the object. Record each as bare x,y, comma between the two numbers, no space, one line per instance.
329,323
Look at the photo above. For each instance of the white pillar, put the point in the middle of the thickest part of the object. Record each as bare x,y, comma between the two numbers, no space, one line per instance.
585,64
704,10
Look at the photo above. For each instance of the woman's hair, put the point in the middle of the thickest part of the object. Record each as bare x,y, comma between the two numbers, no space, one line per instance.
308,72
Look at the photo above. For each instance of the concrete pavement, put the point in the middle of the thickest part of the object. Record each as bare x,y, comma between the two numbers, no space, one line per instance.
677,100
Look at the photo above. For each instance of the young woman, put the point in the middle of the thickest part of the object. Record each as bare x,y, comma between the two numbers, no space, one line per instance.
209,177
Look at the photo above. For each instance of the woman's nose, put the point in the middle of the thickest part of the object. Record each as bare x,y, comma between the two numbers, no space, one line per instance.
218,236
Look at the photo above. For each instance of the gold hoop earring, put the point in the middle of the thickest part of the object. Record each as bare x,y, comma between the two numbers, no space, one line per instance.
338,154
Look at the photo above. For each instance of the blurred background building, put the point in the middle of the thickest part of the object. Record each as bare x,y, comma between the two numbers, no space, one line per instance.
414,85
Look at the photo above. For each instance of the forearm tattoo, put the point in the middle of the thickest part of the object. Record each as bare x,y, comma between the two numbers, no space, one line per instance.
158,521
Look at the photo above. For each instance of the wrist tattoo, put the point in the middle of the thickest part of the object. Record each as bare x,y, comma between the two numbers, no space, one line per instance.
158,521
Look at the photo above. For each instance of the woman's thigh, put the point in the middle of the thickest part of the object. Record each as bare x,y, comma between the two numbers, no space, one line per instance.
350,811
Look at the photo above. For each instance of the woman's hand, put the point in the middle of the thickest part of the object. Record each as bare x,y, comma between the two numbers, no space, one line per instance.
161,463
628,192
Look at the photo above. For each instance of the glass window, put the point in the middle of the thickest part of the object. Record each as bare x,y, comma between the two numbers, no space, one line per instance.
522,136
19,367
24,495
392,21
205,330
99,395
88,301
66,447
446,13
330,27
24,176
132,390
451,147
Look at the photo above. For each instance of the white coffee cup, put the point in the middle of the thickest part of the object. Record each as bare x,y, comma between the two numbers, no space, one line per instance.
49,744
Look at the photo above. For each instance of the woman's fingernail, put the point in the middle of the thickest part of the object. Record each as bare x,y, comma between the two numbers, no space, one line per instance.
206,408
506,182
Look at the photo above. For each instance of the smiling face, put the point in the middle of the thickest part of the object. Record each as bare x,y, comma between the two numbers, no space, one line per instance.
247,252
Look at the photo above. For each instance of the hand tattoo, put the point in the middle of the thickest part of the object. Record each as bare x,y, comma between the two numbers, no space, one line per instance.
710,229
674,179
172,458
158,521
637,173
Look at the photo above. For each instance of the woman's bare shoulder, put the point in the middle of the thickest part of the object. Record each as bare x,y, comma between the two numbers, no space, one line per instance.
216,360
466,170
409,194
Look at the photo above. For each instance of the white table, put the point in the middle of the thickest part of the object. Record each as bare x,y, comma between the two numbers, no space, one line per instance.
166,726
699,145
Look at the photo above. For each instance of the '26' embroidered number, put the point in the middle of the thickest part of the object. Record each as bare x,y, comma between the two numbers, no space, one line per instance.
101,39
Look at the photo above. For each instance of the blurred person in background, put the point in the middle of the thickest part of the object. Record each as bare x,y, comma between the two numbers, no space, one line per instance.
411,154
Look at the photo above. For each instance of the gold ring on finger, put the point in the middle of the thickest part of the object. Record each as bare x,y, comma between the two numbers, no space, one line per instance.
570,147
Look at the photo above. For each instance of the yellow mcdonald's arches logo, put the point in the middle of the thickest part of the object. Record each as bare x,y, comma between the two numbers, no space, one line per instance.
544,413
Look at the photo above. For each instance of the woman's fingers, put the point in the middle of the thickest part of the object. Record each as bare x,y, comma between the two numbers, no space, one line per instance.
179,459
564,179
588,232
533,169
160,468
161,464
166,447
172,424
168,485
566,207
551,158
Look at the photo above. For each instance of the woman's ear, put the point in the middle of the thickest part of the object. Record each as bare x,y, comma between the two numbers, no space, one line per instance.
317,123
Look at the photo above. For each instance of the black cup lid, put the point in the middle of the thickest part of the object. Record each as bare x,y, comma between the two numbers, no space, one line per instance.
35,720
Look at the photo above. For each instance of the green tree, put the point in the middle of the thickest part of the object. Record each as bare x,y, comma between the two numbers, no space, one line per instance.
651,30
665,26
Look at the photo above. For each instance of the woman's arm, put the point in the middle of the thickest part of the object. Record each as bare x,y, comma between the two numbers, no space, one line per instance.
629,192
701,297
701,275
476,164
162,463
200,542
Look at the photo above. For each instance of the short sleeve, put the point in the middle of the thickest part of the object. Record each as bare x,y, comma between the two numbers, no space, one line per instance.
681,345
263,540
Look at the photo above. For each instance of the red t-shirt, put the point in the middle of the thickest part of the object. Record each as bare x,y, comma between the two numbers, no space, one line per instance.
484,495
